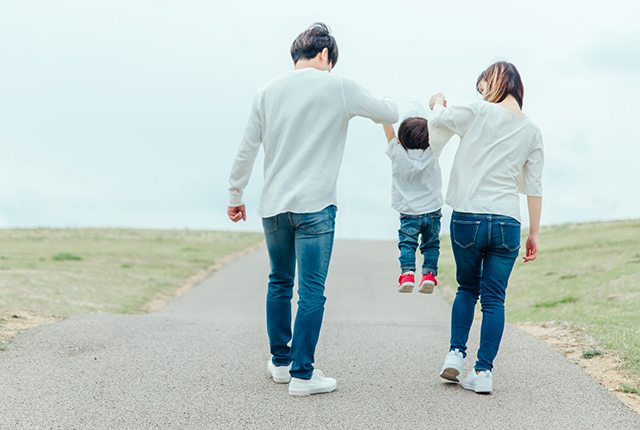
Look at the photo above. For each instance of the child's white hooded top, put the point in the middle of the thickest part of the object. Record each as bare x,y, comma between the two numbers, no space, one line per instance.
416,180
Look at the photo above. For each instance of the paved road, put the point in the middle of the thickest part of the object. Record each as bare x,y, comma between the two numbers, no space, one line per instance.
200,363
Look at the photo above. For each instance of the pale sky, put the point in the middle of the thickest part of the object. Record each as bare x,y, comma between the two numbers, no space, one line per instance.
128,113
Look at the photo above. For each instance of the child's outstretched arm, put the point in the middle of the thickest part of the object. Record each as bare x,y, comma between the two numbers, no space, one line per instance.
390,132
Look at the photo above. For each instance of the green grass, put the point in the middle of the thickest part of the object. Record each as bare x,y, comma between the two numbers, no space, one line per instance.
65,256
69,272
587,275
591,353
553,303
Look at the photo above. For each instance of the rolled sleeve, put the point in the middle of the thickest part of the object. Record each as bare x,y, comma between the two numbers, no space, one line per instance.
530,179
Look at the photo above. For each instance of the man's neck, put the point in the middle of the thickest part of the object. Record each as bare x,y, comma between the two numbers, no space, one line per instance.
314,63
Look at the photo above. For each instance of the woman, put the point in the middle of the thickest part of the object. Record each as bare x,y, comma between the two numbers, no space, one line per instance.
500,153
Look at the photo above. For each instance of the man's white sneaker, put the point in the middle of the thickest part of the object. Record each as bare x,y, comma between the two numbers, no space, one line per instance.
316,385
452,366
479,382
280,374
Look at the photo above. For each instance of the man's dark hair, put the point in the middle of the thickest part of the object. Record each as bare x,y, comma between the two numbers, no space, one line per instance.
413,133
312,41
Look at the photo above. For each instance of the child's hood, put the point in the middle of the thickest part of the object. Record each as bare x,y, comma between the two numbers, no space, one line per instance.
422,159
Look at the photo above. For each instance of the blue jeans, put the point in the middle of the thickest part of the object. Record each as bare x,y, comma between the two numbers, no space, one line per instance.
412,226
485,248
305,239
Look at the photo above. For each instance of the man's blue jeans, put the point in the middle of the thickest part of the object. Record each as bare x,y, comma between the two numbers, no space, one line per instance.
412,226
485,248
305,239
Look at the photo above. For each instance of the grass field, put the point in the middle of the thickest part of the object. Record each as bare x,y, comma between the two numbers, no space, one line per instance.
587,275
70,272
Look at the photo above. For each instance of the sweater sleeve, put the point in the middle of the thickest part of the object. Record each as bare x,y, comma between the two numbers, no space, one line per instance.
456,119
246,155
360,102
438,137
445,122
530,178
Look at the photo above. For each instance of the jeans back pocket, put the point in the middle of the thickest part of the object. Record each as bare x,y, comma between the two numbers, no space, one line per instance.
434,220
464,233
270,224
319,222
510,235
409,225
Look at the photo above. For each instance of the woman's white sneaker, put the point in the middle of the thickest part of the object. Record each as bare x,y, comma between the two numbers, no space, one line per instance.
479,382
280,374
316,385
452,366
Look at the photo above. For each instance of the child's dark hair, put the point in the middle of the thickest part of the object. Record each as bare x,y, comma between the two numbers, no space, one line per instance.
413,133
312,41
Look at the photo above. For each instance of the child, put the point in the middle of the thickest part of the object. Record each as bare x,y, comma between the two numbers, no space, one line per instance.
416,194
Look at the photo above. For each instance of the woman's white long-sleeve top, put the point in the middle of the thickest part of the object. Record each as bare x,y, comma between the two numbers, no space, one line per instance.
301,119
500,154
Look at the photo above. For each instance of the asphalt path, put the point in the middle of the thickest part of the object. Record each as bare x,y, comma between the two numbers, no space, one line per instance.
200,363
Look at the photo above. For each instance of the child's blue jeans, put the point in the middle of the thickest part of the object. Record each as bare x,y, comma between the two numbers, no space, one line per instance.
413,226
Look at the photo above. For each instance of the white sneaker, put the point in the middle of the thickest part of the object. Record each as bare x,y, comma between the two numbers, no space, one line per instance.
452,366
479,382
280,374
316,385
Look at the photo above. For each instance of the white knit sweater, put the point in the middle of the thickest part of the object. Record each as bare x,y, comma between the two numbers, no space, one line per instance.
301,119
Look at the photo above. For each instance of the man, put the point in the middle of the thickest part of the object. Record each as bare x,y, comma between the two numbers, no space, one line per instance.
300,118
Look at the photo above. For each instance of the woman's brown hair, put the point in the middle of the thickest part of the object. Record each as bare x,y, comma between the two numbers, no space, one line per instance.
501,79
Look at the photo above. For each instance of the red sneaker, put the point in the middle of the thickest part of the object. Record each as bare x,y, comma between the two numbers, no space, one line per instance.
428,283
406,283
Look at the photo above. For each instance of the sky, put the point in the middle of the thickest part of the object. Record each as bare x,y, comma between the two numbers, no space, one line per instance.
129,113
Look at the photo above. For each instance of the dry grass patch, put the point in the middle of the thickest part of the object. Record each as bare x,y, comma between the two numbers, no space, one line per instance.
66,272
604,366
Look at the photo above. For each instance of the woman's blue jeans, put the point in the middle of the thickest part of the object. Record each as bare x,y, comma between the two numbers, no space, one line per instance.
305,239
485,248
413,226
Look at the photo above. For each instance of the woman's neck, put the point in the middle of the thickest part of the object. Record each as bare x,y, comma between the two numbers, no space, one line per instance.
510,103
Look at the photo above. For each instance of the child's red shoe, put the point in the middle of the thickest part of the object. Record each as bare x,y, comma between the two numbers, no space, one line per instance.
428,283
406,283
